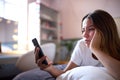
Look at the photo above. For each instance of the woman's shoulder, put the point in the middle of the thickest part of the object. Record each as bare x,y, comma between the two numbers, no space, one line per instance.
81,42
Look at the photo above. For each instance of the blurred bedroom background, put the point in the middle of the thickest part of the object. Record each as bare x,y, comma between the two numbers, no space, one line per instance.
50,21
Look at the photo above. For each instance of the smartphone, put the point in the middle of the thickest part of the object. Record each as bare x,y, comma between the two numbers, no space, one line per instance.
41,54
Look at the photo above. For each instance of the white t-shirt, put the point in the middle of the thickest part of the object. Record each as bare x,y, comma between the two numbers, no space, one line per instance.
82,56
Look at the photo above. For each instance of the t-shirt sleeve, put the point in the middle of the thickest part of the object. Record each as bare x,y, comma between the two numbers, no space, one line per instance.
76,56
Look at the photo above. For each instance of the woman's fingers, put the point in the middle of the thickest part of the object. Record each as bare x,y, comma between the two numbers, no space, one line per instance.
96,40
36,54
41,65
39,61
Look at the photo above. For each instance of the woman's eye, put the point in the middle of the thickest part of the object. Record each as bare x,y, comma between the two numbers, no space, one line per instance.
88,29
83,31
91,29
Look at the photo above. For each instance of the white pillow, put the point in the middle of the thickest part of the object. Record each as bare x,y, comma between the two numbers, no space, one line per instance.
86,73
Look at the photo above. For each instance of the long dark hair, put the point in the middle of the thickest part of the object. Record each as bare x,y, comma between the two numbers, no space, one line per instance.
106,25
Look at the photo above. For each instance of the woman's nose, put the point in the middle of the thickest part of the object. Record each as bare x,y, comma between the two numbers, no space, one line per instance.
85,34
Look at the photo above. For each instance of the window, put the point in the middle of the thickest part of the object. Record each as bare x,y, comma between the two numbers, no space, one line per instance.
14,12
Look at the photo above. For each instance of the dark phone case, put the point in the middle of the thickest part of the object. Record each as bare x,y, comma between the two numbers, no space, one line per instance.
41,54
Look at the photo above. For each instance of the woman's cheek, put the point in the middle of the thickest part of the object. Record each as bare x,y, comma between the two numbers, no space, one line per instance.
92,34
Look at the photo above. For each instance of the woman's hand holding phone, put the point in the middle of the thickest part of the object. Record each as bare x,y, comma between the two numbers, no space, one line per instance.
42,61
49,67
39,61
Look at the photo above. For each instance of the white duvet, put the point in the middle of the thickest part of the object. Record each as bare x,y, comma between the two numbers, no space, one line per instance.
86,73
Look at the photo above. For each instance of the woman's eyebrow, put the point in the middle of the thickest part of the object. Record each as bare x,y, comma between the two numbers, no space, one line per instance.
88,26
91,25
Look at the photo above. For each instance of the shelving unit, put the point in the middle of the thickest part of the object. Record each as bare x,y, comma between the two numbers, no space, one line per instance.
49,24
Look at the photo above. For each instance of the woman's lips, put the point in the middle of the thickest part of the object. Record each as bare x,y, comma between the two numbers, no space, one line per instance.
87,41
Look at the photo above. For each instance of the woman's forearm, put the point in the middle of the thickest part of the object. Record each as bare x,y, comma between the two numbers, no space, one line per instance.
112,65
54,71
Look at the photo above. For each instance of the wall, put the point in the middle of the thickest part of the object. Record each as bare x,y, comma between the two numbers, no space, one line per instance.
72,11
